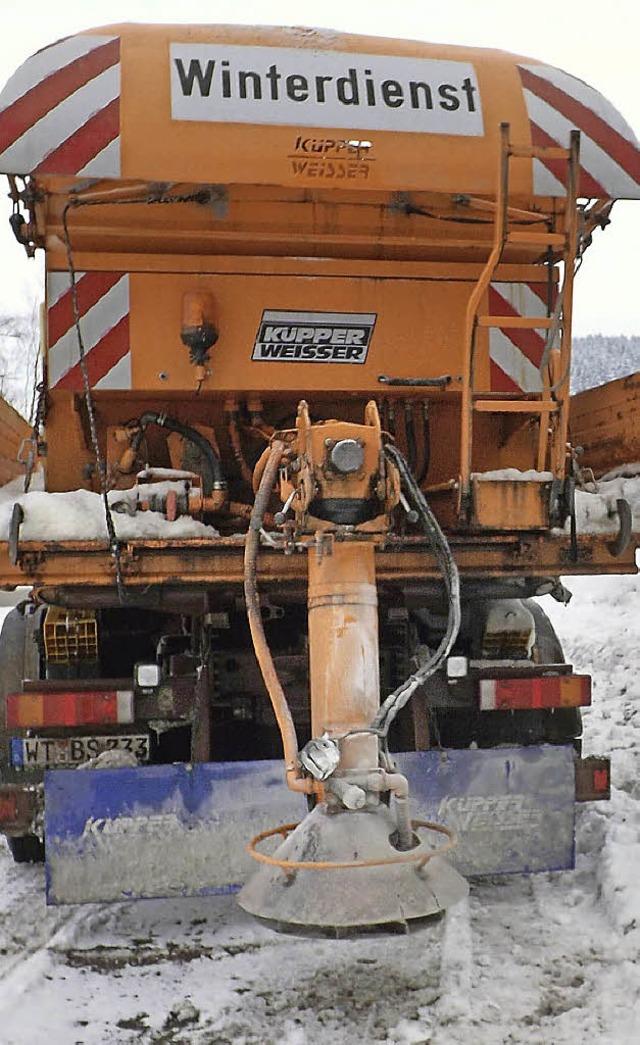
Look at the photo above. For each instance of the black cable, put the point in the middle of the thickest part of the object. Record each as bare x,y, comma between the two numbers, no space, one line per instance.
192,434
426,438
410,428
100,465
411,208
397,700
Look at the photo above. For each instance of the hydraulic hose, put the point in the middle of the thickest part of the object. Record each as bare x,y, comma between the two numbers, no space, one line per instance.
397,700
426,436
236,446
412,451
192,434
263,654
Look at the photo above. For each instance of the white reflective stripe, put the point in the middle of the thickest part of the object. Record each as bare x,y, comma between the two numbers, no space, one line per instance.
119,377
124,698
586,95
593,158
106,164
98,321
58,283
487,695
545,183
522,298
28,151
515,364
525,301
46,62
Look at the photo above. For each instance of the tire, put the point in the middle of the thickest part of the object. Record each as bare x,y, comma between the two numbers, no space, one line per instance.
561,725
26,849
12,642
460,727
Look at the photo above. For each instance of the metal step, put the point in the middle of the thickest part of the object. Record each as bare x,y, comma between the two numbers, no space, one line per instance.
523,322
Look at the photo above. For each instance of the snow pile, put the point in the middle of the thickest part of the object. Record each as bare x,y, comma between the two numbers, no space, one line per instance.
597,512
514,475
80,515
603,639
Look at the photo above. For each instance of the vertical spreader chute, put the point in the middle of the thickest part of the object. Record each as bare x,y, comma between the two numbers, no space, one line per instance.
357,860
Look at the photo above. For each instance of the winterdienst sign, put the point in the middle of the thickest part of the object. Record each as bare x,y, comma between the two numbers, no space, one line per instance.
287,86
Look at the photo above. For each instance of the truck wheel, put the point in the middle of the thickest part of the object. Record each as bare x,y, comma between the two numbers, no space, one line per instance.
562,725
461,727
26,849
12,639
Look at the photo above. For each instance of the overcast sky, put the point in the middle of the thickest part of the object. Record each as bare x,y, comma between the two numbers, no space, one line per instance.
593,40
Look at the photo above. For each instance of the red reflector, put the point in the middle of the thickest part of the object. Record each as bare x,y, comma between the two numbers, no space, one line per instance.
26,710
593,779
551,691
8,809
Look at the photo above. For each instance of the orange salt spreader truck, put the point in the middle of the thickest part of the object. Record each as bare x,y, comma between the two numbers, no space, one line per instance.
304,436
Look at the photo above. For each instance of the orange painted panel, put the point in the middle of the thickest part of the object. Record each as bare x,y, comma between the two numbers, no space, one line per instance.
282,335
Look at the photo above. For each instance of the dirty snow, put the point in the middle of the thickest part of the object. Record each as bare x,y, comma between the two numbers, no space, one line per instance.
514,475
547,960
596,511
80,515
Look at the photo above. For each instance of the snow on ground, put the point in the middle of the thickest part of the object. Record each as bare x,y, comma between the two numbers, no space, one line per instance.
547,960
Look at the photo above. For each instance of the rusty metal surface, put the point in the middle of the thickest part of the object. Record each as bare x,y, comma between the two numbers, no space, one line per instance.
605,422
14,430
499,503
214,563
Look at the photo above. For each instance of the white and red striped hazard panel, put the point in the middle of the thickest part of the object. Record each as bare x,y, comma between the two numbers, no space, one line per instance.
103,305
60,112
515,354
558,103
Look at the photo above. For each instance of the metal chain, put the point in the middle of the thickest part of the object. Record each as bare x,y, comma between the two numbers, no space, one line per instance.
111,531
203,196
36,415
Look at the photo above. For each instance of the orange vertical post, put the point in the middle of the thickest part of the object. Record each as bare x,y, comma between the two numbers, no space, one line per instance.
343,648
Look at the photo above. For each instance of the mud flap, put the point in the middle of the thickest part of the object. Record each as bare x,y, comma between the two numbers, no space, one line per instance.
152,831
513,809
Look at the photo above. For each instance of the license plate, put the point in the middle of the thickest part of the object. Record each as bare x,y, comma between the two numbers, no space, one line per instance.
71,751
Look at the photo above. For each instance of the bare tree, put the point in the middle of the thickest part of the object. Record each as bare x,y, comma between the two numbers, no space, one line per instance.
19,359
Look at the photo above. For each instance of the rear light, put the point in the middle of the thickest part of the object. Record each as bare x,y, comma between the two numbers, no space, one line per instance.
20,808
593,779
29,710
551,691
8,809
147,676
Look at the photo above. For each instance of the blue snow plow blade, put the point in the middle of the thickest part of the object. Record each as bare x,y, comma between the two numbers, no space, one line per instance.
180,830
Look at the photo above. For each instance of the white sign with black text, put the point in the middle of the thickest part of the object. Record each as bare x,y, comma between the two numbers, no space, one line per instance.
224,83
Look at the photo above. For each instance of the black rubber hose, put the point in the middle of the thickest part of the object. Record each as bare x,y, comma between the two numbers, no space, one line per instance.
426,436
192,434
397,700
410,428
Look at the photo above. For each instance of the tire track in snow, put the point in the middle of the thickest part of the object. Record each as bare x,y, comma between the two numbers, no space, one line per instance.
31,931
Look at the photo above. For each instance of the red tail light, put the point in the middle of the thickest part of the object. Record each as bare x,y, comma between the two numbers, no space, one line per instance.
553,691
28,710
8,809
593,779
